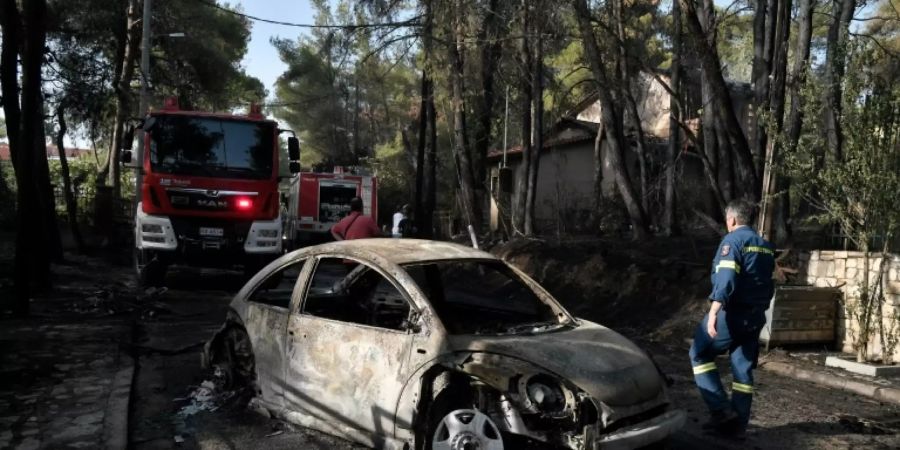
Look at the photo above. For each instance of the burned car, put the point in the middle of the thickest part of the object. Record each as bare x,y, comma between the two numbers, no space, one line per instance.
401,343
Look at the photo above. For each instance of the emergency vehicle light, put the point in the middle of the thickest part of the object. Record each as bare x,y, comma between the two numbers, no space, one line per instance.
244,204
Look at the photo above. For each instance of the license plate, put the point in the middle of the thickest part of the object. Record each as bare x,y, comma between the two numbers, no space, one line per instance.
207,231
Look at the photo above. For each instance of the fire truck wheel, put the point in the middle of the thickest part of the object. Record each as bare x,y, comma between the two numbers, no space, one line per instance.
150,272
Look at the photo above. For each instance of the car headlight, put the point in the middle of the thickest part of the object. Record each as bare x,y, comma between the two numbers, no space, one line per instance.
546,395
151,228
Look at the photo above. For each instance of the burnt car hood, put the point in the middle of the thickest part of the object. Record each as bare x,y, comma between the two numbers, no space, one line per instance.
597,360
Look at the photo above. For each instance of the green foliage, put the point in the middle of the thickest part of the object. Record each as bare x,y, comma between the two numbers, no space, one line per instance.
858,192
395,183
203,67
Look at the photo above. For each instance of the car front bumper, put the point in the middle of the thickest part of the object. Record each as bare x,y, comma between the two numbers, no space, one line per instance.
642,433
637,435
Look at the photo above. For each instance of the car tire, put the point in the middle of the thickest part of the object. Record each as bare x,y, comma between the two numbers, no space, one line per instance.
235,359
452,396
150,272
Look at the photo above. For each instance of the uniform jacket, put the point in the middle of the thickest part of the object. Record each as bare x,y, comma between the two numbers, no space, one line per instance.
742,270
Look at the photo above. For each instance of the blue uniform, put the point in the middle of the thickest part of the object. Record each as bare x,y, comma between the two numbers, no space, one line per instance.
742,282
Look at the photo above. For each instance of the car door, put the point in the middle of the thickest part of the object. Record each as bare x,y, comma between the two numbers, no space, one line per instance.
348,347
268,307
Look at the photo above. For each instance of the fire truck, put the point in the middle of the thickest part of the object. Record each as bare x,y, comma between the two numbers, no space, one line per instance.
319,199
210,194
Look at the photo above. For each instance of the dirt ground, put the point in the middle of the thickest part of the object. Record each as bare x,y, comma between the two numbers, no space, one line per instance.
652,292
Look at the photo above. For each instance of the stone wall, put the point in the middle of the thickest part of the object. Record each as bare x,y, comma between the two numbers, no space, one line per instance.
844,269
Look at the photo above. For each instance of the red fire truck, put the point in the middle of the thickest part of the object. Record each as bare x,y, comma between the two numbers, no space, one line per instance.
318,200
210,193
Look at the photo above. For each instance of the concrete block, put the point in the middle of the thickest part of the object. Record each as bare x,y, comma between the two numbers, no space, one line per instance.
842,254
851,262
839,268
822,269
830,271
826,255
894,274
813,267
892,287
870,369
851,273
814,255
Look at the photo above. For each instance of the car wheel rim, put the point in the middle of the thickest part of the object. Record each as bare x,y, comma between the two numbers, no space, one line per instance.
466,429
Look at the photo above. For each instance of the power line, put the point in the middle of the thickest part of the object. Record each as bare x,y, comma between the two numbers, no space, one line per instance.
406,23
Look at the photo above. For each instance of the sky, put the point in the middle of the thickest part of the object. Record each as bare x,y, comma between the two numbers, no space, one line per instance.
261,60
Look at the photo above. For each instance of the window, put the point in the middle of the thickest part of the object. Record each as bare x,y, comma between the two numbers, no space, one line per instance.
475,297
203,146
356,293
276,290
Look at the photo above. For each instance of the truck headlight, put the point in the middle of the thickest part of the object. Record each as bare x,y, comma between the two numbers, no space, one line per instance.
151,228
267,233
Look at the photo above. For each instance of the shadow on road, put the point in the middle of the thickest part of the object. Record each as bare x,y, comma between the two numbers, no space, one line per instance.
193,279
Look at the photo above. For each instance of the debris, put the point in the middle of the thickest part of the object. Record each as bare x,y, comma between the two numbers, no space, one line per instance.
179,439
276,433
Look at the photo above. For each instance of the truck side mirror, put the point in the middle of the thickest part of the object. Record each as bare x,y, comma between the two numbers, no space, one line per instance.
293,148
128,137
294,167
125,157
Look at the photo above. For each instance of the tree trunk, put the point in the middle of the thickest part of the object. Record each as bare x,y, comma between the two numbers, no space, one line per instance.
598,170
46,201
71,205
420,152
520,216
537,135
669,226
425,211
611,122
466,176
722,103
26,221
430,184
773,198
835,59
631,105
490,58
122,89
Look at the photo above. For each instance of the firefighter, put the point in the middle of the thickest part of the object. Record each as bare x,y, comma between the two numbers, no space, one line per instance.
742,288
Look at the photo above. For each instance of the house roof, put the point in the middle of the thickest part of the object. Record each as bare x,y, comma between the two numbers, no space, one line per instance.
52,152
588,131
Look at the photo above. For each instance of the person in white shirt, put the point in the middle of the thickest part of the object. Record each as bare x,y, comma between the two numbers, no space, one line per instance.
401,214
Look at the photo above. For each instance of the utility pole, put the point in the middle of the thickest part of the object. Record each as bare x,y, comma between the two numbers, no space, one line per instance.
145,98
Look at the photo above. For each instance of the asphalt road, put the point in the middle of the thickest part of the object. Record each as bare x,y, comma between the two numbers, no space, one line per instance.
171,409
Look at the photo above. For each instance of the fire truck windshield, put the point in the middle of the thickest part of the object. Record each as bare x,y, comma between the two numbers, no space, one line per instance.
210,147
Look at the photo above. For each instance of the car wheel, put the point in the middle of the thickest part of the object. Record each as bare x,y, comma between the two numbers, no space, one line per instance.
235,366
464,429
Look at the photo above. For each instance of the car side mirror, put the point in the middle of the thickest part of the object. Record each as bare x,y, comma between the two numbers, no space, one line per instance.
125,157
294,167
128,137
293,148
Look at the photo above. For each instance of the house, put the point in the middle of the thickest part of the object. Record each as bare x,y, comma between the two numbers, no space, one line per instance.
565,185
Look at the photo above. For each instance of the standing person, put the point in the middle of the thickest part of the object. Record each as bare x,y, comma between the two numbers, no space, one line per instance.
742,289
399,216
355,225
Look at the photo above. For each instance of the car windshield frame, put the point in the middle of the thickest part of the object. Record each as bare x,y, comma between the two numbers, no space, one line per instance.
213,147
555,317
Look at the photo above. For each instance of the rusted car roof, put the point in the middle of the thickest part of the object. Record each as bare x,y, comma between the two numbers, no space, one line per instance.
403,251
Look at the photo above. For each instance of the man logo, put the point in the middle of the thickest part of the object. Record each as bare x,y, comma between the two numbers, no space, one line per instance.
209,203
212,193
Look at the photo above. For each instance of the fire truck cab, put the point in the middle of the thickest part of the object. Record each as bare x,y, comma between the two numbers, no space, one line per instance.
210,195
